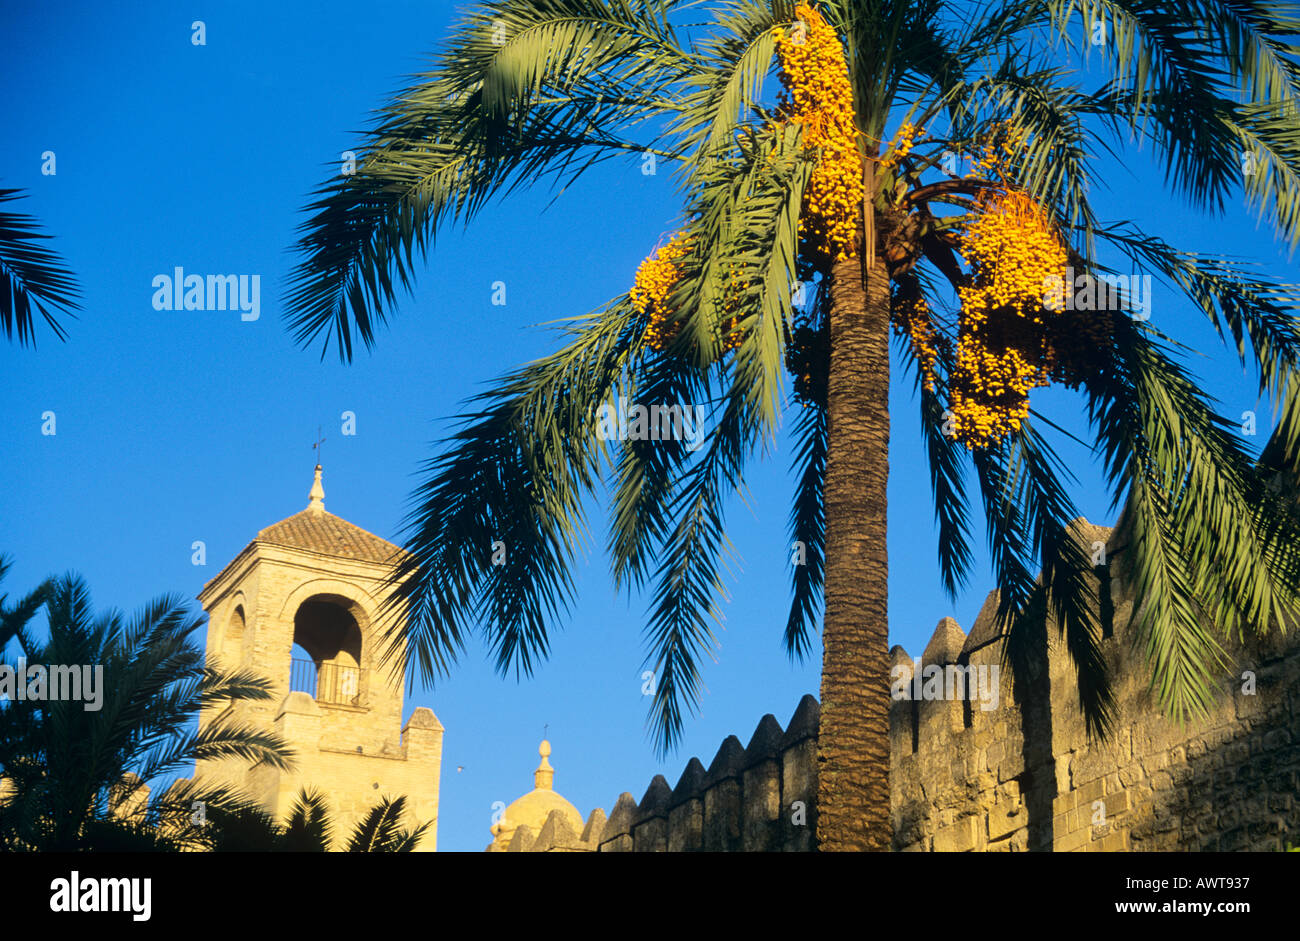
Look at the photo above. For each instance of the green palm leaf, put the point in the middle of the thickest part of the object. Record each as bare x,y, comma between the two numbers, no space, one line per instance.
33,280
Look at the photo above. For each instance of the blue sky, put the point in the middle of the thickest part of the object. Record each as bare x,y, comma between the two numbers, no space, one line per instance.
176,426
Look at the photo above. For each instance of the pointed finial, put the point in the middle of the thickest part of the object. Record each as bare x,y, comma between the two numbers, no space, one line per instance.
317,495
544,776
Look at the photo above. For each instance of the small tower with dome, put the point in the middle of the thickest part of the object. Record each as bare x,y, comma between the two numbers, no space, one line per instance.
531,810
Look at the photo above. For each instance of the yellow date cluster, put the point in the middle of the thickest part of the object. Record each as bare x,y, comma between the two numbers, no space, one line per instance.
655,279
1003,344
994,158
906,139
653,285
817,94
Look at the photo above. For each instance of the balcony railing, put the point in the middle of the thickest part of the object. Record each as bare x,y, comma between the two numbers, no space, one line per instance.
326,682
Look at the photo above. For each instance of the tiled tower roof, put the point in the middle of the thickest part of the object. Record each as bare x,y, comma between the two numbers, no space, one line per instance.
320,531
317,530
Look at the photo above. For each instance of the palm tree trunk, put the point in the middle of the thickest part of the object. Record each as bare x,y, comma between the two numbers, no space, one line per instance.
853,747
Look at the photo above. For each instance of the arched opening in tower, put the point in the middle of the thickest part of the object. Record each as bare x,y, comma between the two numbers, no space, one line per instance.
232,647
326,631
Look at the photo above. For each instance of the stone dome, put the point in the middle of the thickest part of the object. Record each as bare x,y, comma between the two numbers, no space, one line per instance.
532,809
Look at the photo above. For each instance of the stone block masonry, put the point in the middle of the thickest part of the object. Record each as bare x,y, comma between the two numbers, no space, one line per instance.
1027,776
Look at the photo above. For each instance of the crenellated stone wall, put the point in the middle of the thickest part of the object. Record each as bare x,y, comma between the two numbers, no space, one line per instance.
1019,776
1025,775
752,798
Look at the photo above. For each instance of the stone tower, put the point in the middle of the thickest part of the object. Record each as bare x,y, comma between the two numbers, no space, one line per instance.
317,582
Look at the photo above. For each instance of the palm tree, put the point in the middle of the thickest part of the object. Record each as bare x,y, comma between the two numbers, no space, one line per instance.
848,186
31,277
73,769
309,828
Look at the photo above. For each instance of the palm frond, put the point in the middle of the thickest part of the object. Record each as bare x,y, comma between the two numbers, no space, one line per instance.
722,94
808,530
947,485
531,88
33,279
309,827
1205,546
688,581
381,831
1183,66
67,762
515,477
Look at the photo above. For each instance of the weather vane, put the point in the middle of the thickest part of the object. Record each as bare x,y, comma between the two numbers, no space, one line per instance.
317,446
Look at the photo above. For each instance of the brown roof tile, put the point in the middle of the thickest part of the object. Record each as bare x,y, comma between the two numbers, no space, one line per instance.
322,531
